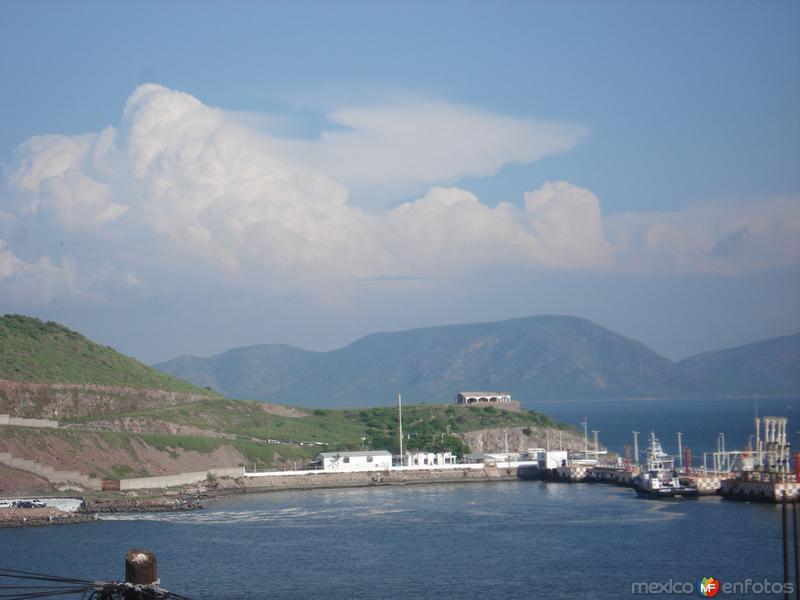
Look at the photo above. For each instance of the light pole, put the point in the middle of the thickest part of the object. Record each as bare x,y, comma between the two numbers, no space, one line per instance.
585,438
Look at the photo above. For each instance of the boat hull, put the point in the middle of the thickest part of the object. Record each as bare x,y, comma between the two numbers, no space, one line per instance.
667,493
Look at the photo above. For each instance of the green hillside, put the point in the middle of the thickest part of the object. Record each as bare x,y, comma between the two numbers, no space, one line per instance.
46,352
424,426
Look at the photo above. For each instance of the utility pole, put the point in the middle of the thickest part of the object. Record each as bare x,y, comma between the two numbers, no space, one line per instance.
636,447
400,418
585,438
680,451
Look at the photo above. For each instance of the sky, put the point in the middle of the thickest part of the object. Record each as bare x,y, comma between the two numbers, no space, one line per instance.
186,177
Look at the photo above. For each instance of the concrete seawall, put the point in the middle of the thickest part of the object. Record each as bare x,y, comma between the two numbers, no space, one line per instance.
374,478
54,476
166,481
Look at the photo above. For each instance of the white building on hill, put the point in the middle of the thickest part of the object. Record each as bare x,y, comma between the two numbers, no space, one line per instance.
350,462
482,397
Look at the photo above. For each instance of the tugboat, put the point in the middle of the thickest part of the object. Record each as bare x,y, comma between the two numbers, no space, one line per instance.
660,479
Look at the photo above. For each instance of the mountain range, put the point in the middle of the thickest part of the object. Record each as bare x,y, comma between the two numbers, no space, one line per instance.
534,358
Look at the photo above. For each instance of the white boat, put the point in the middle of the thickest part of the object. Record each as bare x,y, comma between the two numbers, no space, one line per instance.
660,479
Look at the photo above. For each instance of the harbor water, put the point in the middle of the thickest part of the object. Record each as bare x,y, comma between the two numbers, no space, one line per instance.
481,540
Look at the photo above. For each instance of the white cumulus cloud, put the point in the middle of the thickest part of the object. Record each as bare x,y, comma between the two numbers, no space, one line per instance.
428,142
179,187
722,239
40,281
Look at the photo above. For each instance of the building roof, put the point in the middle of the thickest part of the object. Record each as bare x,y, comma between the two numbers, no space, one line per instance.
357,453
484,393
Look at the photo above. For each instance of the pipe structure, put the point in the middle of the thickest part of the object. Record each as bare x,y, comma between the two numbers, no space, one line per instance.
680,451
636,447
757,461
784,448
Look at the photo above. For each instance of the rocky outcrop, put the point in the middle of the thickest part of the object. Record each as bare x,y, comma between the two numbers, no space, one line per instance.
48,400
520,439
146,425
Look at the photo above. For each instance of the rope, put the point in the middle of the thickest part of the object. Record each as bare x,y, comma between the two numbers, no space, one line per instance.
54,585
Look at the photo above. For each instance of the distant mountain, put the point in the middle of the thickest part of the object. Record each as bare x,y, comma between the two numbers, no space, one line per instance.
770,366
35,351
535,358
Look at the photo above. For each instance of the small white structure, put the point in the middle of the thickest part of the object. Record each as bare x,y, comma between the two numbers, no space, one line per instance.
350,462
551,459
424,459
482,397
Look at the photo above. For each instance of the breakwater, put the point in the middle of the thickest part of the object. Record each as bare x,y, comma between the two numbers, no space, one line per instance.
38,517
296,481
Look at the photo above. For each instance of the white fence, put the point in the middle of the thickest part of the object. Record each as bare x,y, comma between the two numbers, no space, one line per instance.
445,467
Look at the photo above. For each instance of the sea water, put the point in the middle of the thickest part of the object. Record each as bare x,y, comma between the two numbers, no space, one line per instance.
473,540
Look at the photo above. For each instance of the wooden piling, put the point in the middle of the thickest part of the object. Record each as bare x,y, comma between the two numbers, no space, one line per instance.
796,557
141,567
786,593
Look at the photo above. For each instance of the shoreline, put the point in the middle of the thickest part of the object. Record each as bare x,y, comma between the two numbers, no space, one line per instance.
38,517
41,517
359,479
45,517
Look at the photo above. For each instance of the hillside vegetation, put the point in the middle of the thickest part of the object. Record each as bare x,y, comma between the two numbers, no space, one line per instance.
425,427
32,350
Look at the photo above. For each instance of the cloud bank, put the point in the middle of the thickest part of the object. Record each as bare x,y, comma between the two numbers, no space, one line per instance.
180,187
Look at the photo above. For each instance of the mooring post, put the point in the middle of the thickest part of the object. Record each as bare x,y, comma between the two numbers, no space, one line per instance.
141,568
786,593
794,544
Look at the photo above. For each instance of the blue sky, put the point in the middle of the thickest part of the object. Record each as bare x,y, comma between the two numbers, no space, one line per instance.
672,127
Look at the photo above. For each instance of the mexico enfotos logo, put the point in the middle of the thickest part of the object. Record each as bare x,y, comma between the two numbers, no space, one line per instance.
709,587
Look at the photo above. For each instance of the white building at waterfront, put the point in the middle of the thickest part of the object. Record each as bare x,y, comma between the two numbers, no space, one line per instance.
349,462
425,459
